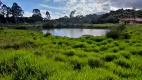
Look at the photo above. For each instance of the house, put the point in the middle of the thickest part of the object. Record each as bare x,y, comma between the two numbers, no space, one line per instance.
131,20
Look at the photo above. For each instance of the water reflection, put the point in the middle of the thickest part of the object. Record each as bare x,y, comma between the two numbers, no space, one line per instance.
75,33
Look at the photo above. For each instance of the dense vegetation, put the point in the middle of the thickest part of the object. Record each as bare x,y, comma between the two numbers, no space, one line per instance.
27,55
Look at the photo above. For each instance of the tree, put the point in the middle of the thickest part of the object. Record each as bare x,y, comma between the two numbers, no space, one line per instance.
16,10
4,10
2,19
8,12
133,12
72,14
36,16
36,12
48,15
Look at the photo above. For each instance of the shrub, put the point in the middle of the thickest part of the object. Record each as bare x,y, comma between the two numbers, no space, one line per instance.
34,38
116,43
116,31
98,39
47,34
69,53
123,63
1,28
137,51
38,53
80,45
76,65
95,63
96,49
104,42
110,77
103,48
89,41
113,34
125,54
126,35
121,47
110,57
110,40
60,58
115,49
124,73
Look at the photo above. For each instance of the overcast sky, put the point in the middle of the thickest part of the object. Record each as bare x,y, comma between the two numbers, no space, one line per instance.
60,8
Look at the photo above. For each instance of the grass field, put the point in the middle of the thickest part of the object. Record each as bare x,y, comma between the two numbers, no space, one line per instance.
30,55
107,25
37,26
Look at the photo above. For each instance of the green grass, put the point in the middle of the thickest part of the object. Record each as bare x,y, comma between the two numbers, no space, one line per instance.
30,55
107,25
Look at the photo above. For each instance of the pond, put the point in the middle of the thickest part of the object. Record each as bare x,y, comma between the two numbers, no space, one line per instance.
75,33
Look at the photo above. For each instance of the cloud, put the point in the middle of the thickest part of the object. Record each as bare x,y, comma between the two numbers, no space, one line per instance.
27,14
54,15
126,3
71,2
46,0
82,7
51,7
56,1
59,0
85,7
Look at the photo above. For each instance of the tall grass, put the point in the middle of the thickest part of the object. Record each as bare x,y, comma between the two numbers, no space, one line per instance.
29,55
116,31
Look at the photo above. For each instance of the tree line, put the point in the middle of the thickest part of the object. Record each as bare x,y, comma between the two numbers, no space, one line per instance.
78,21
15,14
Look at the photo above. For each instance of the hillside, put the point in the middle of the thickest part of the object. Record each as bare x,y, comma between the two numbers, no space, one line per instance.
111,17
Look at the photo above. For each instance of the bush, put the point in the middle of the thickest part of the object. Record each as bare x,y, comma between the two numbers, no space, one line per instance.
116,31
113,34
47,34
60,58
95,63
121,47
1,28
96,49
137,51
69,53
126,35
80,45
99,39
126,54
110,57
76,65
115,49
103,48
123,63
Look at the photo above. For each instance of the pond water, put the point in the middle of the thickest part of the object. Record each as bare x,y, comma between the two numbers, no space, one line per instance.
75,33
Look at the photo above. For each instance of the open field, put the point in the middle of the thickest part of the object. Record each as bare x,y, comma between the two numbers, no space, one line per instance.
30,55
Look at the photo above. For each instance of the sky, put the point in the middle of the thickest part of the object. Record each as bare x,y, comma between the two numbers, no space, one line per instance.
60,8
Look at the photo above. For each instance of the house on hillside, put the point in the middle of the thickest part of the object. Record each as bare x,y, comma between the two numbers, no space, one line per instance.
131,20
